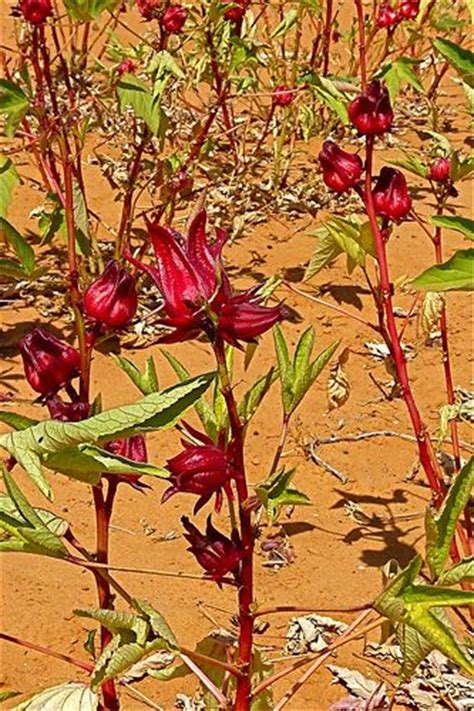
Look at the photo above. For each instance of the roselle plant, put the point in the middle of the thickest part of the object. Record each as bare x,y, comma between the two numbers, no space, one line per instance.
206,97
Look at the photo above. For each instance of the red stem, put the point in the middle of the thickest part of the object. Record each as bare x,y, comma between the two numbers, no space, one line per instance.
221,90
49,652
327,36
103,512
246,620
362,52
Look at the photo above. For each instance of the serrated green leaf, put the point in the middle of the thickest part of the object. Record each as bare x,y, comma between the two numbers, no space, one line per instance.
114,620
454,222
254,396
156,411
464,570
326,251
72,696
457,274
17,422
146,382
88,10
461,165
389,603
9,180
133,92
203,410
462,60
13,104
412,164
398,73
286,24
22,249
285,368
275,493
436,596
157,622
441,526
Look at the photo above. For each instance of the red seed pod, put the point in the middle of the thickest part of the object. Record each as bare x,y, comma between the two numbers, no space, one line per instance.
214,552
341,170
35,11
173,19
49,363
388,17
440,171
371,112
391,196
283,95
133,448
203,470
126,66
112,298
237,9
409,9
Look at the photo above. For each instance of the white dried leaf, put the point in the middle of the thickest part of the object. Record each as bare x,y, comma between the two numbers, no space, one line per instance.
357,683
431,309
311,633
338,385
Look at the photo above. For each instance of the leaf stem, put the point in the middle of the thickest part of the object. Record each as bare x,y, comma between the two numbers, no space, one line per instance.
49,652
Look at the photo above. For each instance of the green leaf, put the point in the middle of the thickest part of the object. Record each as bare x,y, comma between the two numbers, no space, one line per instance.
389,603
81,223
9,180
436,596
22,249
114,620
157,622
29,530
327,250
88,10
412,164
276,493
134,92
462,60
442,525
88,463
461,165
17,422
254,396
464,570
286,24
156,411
457,274
72,696
6,695
203,410
399,73
14,104
285,368
146,382
454,222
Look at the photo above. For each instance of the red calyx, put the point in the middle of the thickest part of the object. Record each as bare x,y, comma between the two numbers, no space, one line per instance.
388,17
440,171
149,9
391,196
236,12
214,552
127,66
409,9
67,411
173,19
49,363
112,298
341,170
242,318
133,448
204,469
35,11
371,112
283,95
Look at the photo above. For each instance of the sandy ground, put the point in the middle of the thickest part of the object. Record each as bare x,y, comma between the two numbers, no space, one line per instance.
337,561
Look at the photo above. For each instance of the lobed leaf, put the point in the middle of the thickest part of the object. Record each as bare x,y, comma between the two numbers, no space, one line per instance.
72,696
457,274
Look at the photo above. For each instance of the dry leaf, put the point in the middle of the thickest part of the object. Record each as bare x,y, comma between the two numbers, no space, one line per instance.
431,311
338,386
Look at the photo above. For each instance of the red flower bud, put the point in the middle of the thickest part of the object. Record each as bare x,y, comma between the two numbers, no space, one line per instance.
341,170
126,66
201,469
371,112
149,9
283,95
133,448
67,411
391,196
112,298
214,552
409,9
48,362
388,17
35,11
440,171
173,19
242,318
237,10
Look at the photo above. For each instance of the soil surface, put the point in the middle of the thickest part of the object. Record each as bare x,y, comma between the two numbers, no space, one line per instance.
338,558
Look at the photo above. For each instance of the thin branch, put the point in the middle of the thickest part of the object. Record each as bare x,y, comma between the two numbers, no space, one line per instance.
49,652
212,688
341,311
147,571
